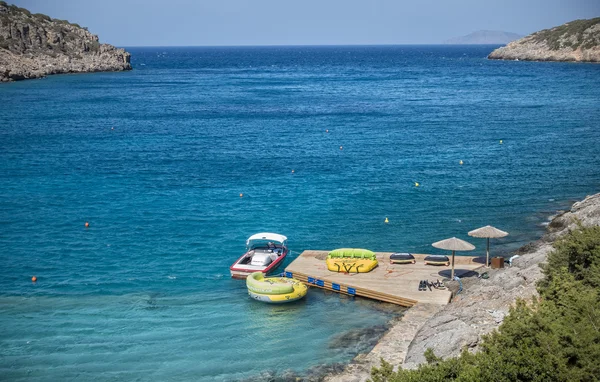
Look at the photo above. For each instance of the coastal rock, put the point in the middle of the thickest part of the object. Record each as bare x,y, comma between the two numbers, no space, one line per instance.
483,305
35,45
577,40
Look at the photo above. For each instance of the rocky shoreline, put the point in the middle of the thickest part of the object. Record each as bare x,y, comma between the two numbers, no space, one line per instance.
478,310
35,45
576,41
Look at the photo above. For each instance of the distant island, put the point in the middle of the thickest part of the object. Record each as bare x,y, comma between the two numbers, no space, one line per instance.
484,37
577,40
35,45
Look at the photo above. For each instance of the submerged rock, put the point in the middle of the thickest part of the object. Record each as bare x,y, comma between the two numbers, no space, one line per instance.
361,339
35,45
314,374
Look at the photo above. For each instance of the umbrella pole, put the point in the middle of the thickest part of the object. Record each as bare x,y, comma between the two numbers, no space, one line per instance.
487,254
452,277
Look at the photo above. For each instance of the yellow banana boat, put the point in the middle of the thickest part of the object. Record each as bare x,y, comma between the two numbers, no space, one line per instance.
274,290
351,260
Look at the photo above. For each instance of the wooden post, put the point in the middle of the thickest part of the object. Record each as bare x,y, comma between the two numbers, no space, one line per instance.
487,254
452,274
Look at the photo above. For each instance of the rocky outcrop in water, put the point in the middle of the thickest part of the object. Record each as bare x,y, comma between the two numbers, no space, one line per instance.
35,45
577,40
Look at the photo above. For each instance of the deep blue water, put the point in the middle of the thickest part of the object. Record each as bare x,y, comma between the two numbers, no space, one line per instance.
144,293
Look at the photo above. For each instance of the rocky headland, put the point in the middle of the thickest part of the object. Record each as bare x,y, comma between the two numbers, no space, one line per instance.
35,45
477,310
577,41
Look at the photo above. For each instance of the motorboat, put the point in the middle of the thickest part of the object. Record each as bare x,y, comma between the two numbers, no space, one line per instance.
265,251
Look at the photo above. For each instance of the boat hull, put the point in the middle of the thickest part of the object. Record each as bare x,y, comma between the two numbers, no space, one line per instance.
239,272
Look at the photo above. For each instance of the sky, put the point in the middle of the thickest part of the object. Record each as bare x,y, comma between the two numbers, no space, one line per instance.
305,22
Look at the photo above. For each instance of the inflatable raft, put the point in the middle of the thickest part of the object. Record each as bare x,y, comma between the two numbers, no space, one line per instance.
437,260
274,290
402,258
351,260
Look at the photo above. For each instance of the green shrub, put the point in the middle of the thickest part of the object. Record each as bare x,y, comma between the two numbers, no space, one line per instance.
577,253
14,9
42,16
575,28
25,11
94,46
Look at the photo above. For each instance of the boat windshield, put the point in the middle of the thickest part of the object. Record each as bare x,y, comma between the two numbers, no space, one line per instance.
264,244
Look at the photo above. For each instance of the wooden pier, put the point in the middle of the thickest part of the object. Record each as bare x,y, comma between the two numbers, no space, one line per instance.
393,283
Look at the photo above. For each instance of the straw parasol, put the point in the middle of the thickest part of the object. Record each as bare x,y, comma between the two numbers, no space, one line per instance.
488,232
453,244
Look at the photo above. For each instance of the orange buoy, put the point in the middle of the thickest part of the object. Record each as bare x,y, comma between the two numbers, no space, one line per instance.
87,225
241,195
34,279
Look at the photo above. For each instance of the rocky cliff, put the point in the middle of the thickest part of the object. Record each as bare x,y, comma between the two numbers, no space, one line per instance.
35,45
577,40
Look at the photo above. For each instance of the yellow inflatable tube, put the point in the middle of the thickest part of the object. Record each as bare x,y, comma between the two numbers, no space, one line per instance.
351,265
351,260
274,290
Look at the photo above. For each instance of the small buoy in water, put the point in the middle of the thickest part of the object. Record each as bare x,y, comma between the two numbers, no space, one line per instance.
87,225
112,128
416,184
292,171
501,141
386,220
460,163
341,147
326,131
241,195
34,279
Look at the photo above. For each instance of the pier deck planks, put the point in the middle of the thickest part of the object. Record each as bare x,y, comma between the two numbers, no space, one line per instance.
393,283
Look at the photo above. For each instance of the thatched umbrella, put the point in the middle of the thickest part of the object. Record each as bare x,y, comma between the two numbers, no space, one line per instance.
454,244
488,232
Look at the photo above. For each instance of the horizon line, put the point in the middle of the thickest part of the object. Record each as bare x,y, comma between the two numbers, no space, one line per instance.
299,45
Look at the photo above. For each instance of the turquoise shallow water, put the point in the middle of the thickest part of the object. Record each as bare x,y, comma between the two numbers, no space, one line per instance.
144,293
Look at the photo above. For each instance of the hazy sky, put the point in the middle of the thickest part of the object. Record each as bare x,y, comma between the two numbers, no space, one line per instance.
306,22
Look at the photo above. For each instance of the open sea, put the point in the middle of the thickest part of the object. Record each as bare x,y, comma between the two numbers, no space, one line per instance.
324,143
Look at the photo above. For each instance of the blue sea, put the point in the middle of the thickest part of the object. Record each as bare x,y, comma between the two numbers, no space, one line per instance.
323,143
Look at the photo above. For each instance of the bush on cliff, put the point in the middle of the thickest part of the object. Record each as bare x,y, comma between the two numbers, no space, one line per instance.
553,338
